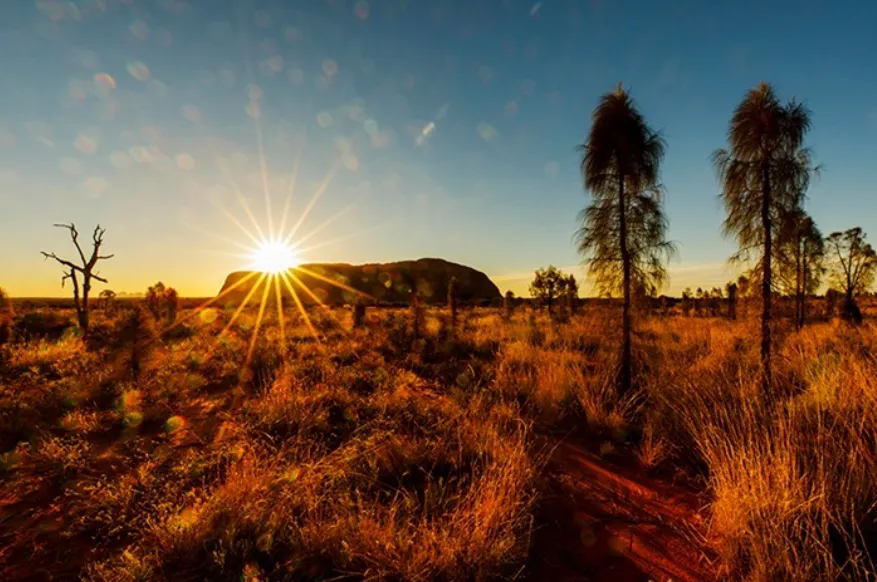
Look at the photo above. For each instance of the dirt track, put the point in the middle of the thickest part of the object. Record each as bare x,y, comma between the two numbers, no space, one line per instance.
604,522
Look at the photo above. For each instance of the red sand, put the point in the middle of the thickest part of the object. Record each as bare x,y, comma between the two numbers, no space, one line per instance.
611,523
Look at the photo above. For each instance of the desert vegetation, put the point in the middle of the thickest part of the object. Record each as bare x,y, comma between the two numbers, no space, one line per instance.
378,454
726,435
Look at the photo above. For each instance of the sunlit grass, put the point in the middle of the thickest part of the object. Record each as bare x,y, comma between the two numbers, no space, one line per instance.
375,453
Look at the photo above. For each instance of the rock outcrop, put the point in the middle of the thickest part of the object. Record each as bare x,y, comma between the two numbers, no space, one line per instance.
338,283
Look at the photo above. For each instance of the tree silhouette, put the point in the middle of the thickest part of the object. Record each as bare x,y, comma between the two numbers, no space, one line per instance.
416,313
5,301
547,285
85,271
6,314
800,250
453,296
831,299
764,174
107,299
508,304
171,304
731,290
155,299
358,313
714,300
852,267
686,301
570,291
622,237
137,330
698,299
744,289
163,302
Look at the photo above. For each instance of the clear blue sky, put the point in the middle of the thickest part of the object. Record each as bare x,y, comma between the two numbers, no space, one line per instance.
454,123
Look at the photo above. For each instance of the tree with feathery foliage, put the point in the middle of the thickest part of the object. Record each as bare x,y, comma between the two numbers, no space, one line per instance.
623,232
764,174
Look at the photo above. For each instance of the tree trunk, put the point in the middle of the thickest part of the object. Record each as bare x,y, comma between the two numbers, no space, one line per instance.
851,310
81,318
766,287
848,309
732,303
83,314
798,284
803,295
626,355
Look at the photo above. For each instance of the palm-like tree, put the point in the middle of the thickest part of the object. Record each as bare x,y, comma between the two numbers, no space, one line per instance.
764,174
623,229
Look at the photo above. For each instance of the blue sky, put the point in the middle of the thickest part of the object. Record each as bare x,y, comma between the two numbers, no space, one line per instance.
452,126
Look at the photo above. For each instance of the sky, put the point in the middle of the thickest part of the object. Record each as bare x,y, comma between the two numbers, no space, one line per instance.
397,129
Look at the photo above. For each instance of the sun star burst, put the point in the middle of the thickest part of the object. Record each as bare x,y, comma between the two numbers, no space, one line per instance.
274,256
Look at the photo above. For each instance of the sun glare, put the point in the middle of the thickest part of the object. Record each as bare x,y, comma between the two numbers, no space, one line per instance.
274,257
273,261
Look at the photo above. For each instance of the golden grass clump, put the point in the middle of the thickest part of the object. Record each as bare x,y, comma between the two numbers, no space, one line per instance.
792,488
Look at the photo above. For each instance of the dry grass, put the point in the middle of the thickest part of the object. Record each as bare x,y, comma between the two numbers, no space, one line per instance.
376,455
792,487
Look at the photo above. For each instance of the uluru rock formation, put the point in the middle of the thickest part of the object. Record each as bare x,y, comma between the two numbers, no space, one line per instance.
383,282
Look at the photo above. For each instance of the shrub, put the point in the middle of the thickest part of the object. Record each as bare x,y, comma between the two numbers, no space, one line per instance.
137,336
42,324
358,314
6,315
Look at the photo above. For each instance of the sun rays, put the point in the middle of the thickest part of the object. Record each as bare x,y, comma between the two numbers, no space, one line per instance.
273,261
271,251
272,246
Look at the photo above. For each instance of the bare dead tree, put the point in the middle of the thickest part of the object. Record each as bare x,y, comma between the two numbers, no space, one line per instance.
85,271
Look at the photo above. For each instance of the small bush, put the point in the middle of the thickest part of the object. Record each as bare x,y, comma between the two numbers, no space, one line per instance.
42,324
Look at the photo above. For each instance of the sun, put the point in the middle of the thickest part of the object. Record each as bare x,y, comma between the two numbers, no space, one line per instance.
272,256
